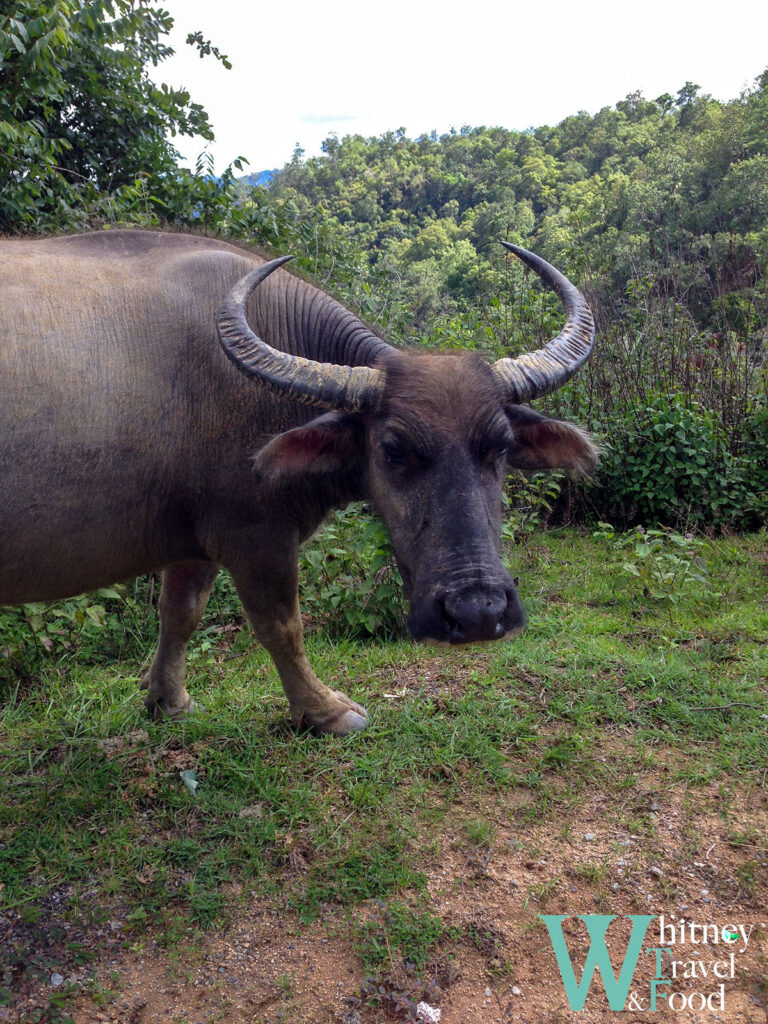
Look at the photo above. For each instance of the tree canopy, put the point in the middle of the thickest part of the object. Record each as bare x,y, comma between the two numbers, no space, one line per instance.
80,117
675,187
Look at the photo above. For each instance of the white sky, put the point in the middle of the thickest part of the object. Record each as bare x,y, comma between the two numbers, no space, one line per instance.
302,70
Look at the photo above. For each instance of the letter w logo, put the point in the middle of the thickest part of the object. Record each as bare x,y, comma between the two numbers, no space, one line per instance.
617,989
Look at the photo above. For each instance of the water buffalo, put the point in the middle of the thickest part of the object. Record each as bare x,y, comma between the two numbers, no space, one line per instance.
132,439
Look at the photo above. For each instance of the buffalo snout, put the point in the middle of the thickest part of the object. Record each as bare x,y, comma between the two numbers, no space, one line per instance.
469,615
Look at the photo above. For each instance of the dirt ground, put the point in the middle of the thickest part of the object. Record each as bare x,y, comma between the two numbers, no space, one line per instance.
499,967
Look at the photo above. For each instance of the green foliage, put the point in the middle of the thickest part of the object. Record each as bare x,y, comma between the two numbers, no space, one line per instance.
666,461
669,461
399,932
664,564
529,503
349,580
80,118
753,460
654,188
91,627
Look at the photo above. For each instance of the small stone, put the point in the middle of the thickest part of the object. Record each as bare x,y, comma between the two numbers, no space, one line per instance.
705,892
516,991
615,886
57,979
589,836
654,807
487,993
656,870
253,811
428,1014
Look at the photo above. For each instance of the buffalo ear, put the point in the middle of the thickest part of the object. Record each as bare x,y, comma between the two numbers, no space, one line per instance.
542,443
330,443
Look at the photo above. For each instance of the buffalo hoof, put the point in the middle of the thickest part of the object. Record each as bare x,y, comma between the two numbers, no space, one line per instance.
159,707
342,717
158,710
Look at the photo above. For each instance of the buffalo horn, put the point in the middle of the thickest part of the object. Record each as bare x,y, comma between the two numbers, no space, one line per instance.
328,385
534,374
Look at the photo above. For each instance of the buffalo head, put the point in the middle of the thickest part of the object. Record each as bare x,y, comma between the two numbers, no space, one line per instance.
428,439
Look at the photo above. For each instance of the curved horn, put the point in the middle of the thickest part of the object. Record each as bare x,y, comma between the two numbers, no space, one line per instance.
538,373
349,388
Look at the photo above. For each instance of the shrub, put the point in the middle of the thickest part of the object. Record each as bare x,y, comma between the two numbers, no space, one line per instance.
529,502
663,563
111,623
669,463
349,580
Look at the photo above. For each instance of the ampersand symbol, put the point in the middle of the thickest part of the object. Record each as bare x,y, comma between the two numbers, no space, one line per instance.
635,1002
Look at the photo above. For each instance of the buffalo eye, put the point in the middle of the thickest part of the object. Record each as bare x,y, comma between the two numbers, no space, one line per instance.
494,452
401,455
394,452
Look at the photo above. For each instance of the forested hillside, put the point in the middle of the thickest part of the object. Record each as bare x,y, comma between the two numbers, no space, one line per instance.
673,191
659,209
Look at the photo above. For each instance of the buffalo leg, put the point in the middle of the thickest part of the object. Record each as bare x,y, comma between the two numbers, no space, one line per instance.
273,612
185,591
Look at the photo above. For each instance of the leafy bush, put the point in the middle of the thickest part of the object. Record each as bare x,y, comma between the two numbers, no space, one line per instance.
664,563
349,580
753,461
669,462
529,501
80,116
112,622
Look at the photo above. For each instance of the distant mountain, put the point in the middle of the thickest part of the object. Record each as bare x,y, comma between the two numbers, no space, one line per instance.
259,177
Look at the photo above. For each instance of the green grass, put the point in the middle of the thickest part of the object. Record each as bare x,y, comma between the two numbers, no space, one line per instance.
601,684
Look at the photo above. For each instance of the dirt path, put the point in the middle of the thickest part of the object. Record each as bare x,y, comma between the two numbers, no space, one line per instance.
495,963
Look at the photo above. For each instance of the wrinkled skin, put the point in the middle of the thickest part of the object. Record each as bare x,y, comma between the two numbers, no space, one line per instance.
127,444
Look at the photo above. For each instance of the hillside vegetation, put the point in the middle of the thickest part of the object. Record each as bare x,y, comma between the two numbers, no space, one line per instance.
659,209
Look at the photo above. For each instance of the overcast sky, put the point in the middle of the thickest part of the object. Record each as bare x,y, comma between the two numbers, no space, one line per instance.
302,70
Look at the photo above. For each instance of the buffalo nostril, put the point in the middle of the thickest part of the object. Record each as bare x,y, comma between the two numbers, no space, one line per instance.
455,632
472,616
